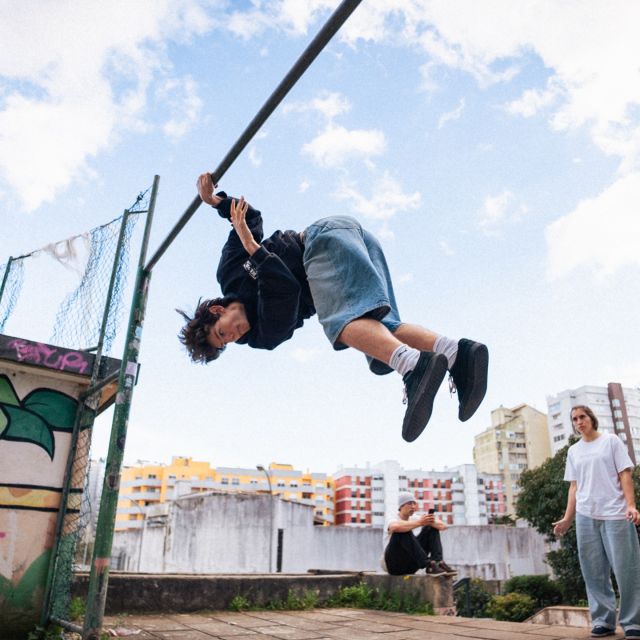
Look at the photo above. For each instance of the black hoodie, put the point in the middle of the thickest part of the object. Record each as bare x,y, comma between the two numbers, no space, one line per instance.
272,283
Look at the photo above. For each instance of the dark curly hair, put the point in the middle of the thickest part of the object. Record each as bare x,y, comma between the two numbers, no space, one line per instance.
194,334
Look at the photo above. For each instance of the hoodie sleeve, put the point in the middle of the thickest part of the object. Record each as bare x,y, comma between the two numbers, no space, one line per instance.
278,299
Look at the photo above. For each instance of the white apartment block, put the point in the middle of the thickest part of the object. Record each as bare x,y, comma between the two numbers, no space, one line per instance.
368,497
616,407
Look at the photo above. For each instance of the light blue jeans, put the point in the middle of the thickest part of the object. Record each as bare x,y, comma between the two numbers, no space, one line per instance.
349,278
604,545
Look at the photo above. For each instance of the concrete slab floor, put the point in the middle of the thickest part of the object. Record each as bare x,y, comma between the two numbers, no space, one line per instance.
334,624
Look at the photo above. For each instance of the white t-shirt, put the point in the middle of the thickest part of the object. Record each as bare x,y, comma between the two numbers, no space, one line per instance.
595,467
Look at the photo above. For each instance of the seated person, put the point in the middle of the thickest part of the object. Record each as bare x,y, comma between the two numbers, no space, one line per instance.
405,552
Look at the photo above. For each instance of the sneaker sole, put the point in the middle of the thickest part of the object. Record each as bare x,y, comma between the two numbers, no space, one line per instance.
479,355
414,424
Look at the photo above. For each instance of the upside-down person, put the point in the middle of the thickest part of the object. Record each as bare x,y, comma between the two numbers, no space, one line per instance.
336,269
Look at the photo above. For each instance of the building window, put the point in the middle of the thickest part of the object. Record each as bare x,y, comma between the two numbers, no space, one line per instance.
235,481
225,481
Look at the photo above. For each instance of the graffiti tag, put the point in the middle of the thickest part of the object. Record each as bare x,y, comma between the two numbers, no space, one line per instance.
44,354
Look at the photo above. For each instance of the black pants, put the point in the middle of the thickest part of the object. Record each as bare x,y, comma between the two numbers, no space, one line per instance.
407,553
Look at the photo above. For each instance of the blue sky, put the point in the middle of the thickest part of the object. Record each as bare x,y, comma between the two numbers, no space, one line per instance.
492,146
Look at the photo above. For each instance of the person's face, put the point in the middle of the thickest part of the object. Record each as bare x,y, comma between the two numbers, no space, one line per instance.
231,325
408,509
582,423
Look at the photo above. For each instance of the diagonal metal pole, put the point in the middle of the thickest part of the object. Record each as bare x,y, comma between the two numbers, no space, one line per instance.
333,24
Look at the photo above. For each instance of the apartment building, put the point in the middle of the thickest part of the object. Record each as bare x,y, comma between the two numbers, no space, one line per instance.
517,440
616,407
147,484
366,497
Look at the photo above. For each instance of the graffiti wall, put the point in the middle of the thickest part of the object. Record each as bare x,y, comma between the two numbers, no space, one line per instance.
39,389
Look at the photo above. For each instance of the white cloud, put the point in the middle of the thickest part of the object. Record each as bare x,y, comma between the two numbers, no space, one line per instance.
181,97
601,233
329,103
405,278
499,209
254,156
454,114
386,201
67,92
336,145
303,186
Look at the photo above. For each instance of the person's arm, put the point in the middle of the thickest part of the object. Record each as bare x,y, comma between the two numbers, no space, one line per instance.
562,526
626,482
439,525
402,526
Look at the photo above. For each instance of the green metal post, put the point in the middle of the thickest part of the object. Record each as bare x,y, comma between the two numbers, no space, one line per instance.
5,277
99,577
85,418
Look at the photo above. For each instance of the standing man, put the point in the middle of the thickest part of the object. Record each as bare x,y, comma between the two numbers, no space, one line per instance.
405,552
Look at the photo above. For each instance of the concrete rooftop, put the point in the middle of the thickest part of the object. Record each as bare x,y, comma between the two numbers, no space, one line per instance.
333,624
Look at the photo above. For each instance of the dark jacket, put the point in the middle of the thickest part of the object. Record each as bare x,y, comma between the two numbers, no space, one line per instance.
272,284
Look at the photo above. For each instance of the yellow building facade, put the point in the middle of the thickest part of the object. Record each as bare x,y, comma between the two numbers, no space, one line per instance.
517,440
147,484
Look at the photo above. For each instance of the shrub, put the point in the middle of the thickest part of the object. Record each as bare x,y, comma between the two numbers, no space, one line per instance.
513,607
471,598
239,603
544,591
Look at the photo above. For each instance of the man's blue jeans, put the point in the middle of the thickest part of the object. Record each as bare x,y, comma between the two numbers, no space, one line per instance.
604,545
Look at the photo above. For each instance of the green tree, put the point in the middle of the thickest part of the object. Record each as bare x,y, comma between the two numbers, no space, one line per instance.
542,501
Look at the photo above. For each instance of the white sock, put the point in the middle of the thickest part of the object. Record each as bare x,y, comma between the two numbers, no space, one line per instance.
404,359
447,347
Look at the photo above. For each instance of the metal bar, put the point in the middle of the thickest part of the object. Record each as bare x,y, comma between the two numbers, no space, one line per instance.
5,277
333,24
99,576
65,624
101,385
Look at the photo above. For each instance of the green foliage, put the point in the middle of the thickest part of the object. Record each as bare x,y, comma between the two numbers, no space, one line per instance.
239,603
362,596
543,493
542,501
359,596
471,599
52,632
504,519
513,607
544,591
309,600
77,608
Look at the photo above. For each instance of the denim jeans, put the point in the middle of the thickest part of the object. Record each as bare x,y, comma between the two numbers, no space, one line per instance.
604,545
349,278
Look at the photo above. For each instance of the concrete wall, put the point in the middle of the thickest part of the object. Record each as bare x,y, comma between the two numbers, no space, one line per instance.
230,533
495,552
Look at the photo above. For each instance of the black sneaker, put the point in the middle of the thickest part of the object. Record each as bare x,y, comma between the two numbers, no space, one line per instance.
469,376
632,633
421,386
433,569
448,571
600,632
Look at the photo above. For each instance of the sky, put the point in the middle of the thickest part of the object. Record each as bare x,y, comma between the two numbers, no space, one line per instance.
492,146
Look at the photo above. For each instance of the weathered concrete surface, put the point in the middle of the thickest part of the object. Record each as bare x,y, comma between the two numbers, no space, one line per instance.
141,593
334,624
563,615
227,532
